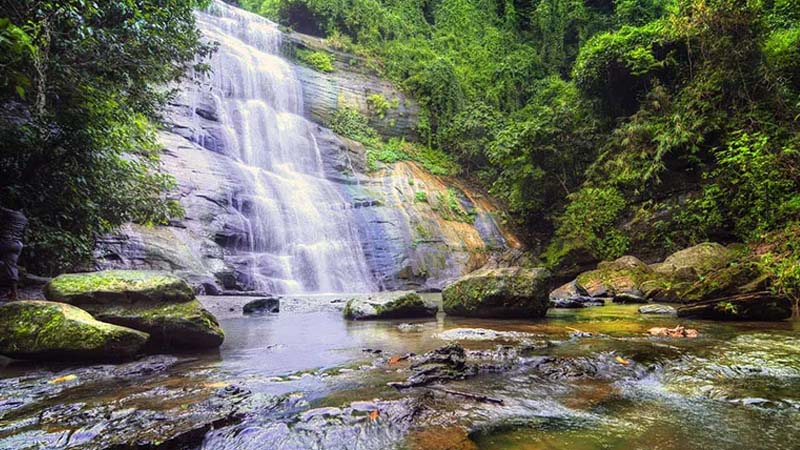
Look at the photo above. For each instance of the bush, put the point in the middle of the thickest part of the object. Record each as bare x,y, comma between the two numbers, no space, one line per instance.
319,61
590,219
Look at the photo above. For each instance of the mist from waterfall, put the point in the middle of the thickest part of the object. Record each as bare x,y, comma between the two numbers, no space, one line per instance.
300,231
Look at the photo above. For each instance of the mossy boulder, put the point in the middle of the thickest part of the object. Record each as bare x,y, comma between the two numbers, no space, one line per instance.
154,302
50,330
507,293
118,287
184,325
390,305
691,263
619,279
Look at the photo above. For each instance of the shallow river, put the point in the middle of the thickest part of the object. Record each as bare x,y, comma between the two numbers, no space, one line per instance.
305,378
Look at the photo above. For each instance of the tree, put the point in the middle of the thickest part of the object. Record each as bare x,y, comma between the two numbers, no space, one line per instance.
82,86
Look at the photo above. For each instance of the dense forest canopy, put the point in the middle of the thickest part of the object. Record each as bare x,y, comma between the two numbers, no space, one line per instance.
82,84
675,118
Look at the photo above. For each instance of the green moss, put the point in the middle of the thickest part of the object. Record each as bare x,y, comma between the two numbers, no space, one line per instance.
113,286
421,197
320,61
450,207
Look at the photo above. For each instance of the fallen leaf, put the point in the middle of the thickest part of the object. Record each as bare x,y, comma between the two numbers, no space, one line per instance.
622,360
63,379
373,415
395,359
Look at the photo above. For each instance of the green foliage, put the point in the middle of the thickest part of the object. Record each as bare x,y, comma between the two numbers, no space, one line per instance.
751,190
82,83
378,105
421,197
350,123
317,60
590,219
450,207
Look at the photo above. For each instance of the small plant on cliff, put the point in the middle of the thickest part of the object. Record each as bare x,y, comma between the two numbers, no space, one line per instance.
378,104
317,60
421,197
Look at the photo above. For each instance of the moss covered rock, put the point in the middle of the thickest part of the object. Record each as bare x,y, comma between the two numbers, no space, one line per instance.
620,278
390,305
512,293
697,261
118,287
49,330
182,325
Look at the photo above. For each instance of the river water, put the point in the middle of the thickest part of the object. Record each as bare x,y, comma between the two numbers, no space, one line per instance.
306,378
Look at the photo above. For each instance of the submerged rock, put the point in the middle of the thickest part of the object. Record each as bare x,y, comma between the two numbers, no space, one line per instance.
159,304
499,293
49,330
118,287
677,332
390,305
657,309
262,305
443,364
482,334
756,306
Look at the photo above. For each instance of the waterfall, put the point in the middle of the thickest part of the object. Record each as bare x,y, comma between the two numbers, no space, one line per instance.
300,231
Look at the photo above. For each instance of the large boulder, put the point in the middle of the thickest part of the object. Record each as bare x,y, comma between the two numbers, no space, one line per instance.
48,330
761,306
154,302
619,279
499,293
390,305
697,261
184,325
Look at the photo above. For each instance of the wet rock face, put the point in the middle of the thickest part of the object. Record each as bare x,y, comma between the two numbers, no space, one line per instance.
499,293
390,305
159,304
48,330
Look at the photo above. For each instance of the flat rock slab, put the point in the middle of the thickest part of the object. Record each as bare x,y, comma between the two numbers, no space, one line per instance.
47,330
390,305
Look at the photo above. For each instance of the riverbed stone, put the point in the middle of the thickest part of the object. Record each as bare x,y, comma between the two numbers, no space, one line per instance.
503,293
34,329
262,305
117,287
390,305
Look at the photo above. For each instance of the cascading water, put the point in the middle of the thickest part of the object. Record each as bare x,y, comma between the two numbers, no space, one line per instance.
301,233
